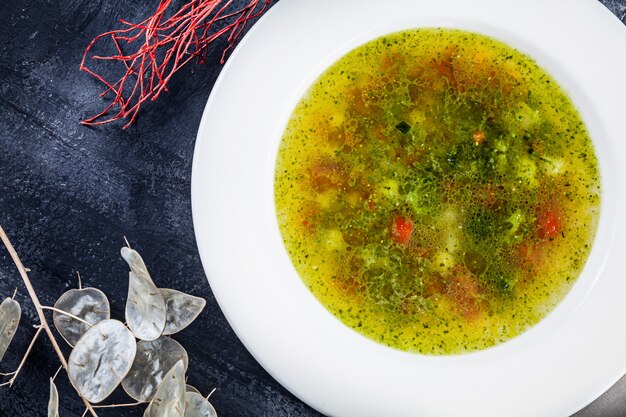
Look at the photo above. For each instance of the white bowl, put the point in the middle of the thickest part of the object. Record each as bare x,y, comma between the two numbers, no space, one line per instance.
556,367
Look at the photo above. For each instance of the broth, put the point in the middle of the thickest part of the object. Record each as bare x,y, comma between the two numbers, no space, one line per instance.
437,191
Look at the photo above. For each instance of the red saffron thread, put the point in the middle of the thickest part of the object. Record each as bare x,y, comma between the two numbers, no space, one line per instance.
160,46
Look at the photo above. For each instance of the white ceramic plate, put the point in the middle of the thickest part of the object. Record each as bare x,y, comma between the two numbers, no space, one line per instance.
553,369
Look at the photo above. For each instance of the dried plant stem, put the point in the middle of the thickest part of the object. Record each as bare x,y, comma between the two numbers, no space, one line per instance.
65,313
149,53
118,405
42,318
57,373
19,367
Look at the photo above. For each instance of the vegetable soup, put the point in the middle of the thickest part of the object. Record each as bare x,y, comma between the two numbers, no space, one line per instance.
437,191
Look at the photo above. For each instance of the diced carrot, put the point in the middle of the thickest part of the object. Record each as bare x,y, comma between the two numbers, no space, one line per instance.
401,230
464,292
378,133
527,255
326,175
445,69
435,286
479,137
531,258
307,215
349,285
489,195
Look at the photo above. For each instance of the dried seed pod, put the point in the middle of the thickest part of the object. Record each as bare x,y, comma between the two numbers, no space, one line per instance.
53,402
198,406
191,388
134,260
90,304
169,399
145,306
152,361
10,313
182,309
101,359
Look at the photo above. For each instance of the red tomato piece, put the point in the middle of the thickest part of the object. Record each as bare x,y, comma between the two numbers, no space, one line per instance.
401,230
548,224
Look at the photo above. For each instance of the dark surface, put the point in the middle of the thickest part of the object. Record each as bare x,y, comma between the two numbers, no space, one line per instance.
68,195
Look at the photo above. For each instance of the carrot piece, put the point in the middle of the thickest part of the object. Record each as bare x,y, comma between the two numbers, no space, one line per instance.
464,292
479,137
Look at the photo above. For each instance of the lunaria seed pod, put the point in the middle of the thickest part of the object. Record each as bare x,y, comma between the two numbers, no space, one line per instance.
169,399
191,388
101,359
10,313
89,304
198,406
145,306
53,402
152,361
181,309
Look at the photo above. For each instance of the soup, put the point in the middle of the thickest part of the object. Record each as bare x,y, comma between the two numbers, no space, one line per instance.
437,191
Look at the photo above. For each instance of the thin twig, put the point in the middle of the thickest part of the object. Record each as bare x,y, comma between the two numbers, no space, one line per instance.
127,244
65,313
14,294
211,393
11,381
80,282
56,373
118,405
40,313
153,50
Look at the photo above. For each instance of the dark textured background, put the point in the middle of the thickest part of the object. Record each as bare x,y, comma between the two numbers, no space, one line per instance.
68,195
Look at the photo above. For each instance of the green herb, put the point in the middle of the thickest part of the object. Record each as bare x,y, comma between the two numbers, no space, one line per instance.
403,127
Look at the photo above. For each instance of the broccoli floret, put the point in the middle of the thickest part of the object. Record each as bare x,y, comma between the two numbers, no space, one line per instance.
499,277
481,225
422,196
515,221
527,172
